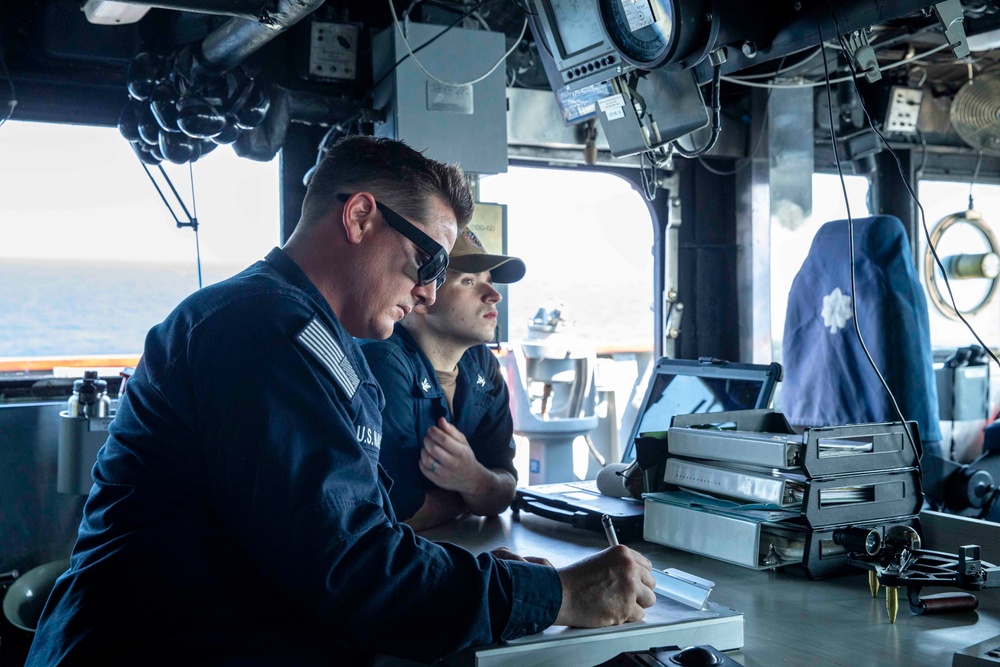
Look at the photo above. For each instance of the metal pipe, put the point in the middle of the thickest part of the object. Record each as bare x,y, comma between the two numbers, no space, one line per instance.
981,265
237,39
246,9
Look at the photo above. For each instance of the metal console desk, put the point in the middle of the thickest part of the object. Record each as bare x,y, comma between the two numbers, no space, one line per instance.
787,620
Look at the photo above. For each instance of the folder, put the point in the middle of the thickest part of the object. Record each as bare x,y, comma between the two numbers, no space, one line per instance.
771,450
764,438
674,521
667,623
778,489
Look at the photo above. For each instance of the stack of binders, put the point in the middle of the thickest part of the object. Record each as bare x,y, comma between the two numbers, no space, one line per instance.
743,487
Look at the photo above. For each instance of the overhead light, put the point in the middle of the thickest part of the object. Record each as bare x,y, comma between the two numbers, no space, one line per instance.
108,12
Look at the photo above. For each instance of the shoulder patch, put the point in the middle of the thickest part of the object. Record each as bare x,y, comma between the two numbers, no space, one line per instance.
318,339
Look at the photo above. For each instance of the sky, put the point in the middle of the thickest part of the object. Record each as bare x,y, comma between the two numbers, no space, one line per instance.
79,192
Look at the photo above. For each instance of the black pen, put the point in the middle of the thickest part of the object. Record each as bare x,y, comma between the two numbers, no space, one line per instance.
609,530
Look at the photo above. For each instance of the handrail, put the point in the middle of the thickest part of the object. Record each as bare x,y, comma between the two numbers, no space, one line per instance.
26,364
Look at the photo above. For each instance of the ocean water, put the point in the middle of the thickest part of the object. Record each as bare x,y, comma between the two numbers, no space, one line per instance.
80,308
63,308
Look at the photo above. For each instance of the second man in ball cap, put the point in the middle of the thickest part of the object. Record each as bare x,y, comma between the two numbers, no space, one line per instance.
447,429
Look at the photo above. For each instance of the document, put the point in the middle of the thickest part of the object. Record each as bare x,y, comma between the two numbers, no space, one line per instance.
756,538
666,623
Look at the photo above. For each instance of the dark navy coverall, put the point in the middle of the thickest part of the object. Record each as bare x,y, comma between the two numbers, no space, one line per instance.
239,516
415,400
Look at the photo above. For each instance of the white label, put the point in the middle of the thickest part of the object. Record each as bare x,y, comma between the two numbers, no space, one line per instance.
613,106
333,51
638,14
443,97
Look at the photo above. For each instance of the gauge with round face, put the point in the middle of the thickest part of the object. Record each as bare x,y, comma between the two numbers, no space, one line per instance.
643,31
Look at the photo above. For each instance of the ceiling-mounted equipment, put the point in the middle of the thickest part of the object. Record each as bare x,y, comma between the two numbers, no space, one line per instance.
669,106
903,112
970,254
109,12
184,104
653,33
572,46
975,110
679,34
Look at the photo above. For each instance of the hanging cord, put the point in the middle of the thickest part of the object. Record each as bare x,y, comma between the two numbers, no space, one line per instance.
716,117
194,223
919,173
420,65
336,131
927,233
745,162
850,237
923,221
648,181
433,39
12,102
817,84
975,175
192,220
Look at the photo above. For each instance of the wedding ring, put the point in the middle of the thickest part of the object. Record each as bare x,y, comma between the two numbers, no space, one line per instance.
433,466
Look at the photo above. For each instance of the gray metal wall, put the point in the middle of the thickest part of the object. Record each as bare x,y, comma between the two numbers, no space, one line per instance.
37,524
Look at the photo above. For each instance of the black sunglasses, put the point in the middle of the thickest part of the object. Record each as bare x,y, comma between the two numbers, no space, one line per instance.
433,269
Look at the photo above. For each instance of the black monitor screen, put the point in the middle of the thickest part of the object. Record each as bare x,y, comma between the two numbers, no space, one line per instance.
686,394
576,23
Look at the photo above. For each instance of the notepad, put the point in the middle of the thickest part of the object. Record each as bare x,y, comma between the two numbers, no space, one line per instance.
667,623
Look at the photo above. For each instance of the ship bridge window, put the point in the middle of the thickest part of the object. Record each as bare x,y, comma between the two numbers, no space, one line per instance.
586,239
790,242
90,258
957,232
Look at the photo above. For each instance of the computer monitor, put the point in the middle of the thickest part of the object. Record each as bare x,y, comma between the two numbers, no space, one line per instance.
683,387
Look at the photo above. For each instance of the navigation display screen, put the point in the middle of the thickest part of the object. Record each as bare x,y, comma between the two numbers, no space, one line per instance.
577,24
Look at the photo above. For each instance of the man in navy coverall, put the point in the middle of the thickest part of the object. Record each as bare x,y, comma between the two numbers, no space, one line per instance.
447,432
239,515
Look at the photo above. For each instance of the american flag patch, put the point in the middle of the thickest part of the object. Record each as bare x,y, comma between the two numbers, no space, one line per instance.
316,338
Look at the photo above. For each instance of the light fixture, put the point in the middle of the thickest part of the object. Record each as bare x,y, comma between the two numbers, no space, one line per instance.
108,12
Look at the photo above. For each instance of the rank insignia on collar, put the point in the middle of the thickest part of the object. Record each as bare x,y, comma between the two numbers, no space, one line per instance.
481,381
425,384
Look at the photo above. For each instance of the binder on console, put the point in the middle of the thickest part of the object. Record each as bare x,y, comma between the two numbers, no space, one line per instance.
779,489
764,438
771,450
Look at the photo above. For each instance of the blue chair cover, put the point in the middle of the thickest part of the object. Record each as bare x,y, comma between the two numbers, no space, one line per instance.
828,380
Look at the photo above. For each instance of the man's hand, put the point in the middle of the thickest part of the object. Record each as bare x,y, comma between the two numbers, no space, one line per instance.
448,460
612,587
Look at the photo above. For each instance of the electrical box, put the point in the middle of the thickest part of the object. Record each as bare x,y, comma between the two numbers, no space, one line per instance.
333,50
904,109
465,123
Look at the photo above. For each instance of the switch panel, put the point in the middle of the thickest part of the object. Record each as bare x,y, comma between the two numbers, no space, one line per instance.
904,109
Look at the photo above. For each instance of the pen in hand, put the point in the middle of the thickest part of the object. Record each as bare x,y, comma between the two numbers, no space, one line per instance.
609,530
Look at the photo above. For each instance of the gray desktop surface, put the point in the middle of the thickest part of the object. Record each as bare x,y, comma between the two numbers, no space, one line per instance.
788,620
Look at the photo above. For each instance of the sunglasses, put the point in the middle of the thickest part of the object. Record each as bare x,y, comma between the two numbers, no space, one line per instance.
433,269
